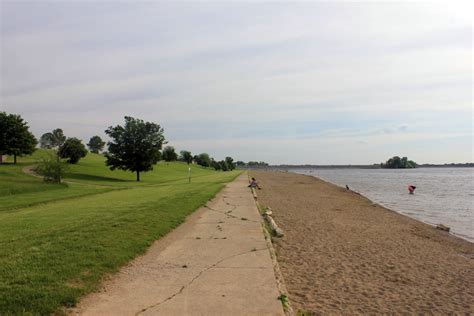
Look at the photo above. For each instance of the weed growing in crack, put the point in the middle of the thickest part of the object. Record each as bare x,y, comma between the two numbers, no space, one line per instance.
284,301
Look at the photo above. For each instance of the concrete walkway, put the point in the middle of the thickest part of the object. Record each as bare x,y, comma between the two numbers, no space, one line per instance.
216,263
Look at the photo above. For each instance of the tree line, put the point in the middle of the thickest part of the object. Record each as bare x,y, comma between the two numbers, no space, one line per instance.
136,146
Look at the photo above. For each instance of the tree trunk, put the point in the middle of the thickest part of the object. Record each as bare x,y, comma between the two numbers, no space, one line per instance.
138,175
14,159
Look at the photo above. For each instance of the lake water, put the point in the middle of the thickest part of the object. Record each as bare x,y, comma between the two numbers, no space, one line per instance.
442,195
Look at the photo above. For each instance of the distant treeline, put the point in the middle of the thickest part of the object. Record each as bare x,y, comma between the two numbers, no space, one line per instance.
252,164
374,166
448,165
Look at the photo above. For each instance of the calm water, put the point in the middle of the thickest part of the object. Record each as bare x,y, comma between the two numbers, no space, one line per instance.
442,195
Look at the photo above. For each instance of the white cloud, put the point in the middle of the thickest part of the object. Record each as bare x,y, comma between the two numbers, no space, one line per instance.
200,68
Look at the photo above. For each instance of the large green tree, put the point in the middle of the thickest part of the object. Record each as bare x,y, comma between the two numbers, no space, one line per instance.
135,146
96,144
230,162
73,149
203,159
186,156
169,154
15,137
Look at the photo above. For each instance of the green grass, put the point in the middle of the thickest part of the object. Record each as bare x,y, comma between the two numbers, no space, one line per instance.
58,241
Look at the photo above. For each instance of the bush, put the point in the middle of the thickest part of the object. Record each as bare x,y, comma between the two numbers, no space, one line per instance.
51,168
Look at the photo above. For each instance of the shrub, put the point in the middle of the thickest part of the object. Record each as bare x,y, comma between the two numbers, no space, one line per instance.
51,168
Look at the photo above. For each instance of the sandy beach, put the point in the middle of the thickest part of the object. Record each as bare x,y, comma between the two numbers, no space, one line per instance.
341,253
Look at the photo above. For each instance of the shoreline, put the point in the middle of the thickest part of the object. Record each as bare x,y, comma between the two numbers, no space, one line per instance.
381,204
344,253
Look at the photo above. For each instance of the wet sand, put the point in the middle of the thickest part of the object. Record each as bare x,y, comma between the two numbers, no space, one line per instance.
341,253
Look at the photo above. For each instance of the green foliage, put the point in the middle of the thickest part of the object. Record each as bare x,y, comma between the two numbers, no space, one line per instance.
55,139
62,246
230,163
96,144
135,146
240,163
15,137
51,168
399,163
222,165
203,160
73,150
169,154
284,302
186,156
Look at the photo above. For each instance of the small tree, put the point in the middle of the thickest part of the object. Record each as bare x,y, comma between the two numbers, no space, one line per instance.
230,162
224,165
55,139
96,144
15,137
135,146
51,168
203,160
186,156
215,164
73,149
169,154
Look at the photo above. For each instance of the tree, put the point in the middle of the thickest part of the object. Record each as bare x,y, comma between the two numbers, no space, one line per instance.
135,146
51,168
224,165
396,162
230,162
203,160
55,139
169,154
96,144
186,156
15,137
240,163
73,149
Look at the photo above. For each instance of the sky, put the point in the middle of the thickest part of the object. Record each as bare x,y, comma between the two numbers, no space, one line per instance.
281,82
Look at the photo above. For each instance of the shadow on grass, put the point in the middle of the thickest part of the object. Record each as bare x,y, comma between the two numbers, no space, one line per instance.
88,177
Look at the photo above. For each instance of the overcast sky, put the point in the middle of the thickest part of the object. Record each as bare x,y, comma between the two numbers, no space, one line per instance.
312,82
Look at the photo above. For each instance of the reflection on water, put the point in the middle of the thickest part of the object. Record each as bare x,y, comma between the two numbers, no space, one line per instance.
442,195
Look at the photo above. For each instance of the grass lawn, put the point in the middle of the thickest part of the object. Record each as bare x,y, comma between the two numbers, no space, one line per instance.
58,241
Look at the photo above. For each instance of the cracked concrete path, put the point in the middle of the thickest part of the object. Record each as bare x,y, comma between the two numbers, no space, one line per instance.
216,263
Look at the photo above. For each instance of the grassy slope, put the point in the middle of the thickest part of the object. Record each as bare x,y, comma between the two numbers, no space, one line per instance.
62,245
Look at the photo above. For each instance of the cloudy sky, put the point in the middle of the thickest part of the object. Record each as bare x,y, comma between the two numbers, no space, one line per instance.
309,82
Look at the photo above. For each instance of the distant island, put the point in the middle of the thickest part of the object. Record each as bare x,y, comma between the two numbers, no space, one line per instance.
398,163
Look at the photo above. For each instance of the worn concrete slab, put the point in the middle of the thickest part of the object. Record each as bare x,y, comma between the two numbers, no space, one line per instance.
216,263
